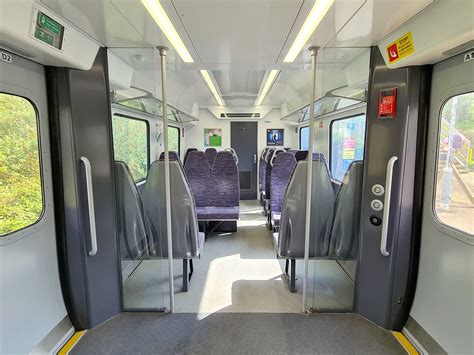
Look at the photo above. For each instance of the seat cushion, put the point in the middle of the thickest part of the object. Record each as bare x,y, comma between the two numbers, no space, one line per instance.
222,213
201,212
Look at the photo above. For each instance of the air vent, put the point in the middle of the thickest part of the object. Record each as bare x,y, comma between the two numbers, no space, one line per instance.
240,115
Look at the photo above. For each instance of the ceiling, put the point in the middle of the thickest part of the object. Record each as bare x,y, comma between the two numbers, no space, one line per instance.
237,40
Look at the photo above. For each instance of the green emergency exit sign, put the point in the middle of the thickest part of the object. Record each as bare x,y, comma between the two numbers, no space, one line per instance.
49,31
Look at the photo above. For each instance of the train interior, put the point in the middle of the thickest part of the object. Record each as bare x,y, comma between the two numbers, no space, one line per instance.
218,176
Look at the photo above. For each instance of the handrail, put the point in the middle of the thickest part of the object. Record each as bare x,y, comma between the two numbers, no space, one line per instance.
90,204
386,209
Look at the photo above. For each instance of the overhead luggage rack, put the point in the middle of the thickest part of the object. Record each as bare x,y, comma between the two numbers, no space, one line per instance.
144,101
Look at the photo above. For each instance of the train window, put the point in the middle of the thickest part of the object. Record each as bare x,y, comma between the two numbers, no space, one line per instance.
347,137
173,139
454,198
304,138
21,189
132,144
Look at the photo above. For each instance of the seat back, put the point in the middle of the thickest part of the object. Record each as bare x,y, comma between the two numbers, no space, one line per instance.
268,170
345,229
184,227
261,170
301,155
210,156
131,227
198,173
224,187
291,238
283,166
186,155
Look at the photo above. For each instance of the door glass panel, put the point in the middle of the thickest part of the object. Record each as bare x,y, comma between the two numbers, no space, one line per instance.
21,190
454,199
334,225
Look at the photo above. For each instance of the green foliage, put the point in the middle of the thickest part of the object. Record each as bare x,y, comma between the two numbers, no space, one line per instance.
131,144
464,115
173,139
21,197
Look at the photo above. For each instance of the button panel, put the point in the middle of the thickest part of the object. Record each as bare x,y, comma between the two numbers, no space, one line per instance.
378,190
376,205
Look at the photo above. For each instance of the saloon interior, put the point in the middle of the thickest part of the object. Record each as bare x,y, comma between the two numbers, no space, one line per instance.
223,176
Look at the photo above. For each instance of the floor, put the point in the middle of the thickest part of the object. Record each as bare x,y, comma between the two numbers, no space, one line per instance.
238,302
239,272
238,333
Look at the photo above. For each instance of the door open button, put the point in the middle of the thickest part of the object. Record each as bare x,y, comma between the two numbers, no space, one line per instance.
376,205
378,190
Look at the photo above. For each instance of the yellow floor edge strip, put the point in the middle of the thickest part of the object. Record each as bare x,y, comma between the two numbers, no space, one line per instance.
71,342
402,339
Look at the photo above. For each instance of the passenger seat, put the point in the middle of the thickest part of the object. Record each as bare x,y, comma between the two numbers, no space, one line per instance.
131,227
345,229
188,242
289,242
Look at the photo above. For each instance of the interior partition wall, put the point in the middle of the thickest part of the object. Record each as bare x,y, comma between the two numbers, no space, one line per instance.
336,179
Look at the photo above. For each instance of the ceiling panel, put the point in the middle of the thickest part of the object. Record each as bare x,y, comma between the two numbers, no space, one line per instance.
238,32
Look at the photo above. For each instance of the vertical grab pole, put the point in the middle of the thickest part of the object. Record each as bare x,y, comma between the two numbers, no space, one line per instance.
309,177
163,51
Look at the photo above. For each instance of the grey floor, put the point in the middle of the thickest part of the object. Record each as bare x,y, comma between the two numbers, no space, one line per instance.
238,333
238,302
239,272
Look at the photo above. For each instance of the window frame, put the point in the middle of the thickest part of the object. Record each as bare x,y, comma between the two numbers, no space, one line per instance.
330,138
5,238
450,230
148,141
179,138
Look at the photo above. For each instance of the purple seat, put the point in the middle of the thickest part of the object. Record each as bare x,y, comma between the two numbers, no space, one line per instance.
224,192
198,174
211,154
172,154
189,150
293,151
283,166
261,170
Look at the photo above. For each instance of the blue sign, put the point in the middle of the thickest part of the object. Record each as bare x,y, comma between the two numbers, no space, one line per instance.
274,137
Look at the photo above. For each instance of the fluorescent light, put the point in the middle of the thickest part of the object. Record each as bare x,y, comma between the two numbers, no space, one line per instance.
266,88
159,15
317,13
212,87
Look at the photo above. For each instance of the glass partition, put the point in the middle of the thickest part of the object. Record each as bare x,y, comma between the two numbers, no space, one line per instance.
139,181
336,178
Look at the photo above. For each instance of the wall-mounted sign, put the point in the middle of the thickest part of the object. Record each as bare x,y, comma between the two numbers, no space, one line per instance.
275,137
48,31
401,48
212,137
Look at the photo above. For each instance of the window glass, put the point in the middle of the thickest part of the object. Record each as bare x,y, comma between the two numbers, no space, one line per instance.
131,144
454,202
304,138
347,144
173,139
21,190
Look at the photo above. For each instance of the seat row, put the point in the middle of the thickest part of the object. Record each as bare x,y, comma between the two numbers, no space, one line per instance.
142,224
335,215
215,186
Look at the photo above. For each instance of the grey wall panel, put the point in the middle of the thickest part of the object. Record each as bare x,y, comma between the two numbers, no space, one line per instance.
82,128
384,283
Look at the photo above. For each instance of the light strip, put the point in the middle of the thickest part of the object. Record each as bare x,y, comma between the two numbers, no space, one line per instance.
266,88
212,87
162,20
317,13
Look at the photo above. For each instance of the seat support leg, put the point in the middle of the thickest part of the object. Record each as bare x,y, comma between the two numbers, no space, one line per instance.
293,276
185,275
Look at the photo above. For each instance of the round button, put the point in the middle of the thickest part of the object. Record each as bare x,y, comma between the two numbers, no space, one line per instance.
378,190
375,220
376,205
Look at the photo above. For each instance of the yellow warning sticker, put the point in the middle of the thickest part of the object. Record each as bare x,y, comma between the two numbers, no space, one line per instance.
401,48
